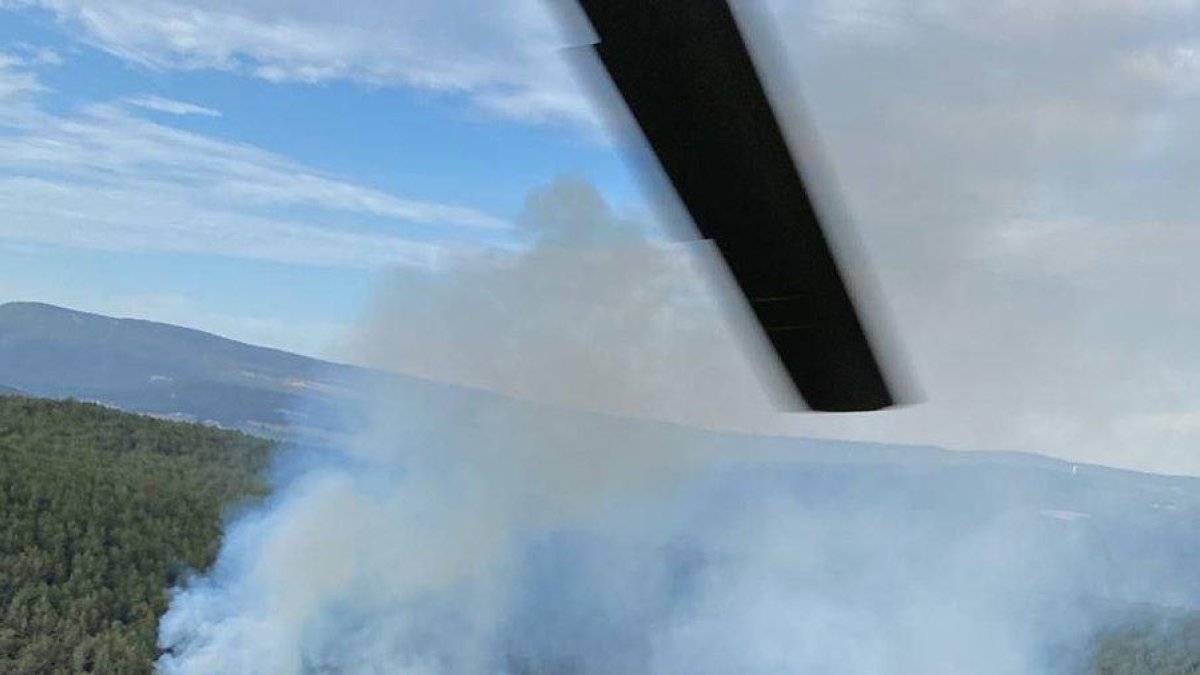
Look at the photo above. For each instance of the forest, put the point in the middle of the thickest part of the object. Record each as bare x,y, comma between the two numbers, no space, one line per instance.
1154,645
100,513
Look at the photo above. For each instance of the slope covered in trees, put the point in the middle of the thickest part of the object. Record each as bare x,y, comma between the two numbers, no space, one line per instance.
1165,645
100,511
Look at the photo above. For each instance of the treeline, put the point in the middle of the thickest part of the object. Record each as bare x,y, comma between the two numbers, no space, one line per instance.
100,512
1151,646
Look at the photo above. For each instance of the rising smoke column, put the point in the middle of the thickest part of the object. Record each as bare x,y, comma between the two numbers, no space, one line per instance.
464,532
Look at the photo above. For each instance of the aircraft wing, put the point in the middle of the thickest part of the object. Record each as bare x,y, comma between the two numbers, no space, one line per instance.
685,73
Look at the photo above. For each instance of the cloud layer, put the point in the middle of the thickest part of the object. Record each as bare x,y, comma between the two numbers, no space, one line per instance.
499,56
170,106
102,176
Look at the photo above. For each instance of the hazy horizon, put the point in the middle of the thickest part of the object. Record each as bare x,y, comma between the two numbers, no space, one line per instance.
1021,188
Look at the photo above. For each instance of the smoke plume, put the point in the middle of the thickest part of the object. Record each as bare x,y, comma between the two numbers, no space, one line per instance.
461,531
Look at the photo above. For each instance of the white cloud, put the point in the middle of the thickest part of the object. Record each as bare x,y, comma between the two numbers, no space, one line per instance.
170,106
500,56
32,55
16,83
992,21
104,178
47,57
1175,68
505,56
104,141
150,217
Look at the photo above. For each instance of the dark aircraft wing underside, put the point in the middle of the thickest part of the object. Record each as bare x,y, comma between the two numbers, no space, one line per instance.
685,73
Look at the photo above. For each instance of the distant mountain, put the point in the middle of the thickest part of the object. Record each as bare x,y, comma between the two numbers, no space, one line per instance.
187,374
167,370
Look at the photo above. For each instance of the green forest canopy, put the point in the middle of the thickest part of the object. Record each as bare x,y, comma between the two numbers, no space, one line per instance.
100,511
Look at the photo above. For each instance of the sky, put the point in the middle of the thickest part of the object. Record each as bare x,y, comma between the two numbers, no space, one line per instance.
1019,177
170,161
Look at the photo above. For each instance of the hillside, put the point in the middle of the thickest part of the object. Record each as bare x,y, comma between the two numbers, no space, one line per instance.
91,498
168,370
1153,645
100,511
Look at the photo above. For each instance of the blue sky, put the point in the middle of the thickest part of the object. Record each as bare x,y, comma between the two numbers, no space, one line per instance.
1020,175
409,143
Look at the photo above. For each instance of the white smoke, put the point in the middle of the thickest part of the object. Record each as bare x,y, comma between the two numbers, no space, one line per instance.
463,532
594,316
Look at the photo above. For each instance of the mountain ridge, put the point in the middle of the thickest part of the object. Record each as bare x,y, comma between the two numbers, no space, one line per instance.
182,373
160,368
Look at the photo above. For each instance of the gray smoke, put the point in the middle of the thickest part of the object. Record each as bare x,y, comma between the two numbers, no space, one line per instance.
601,313
466,532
